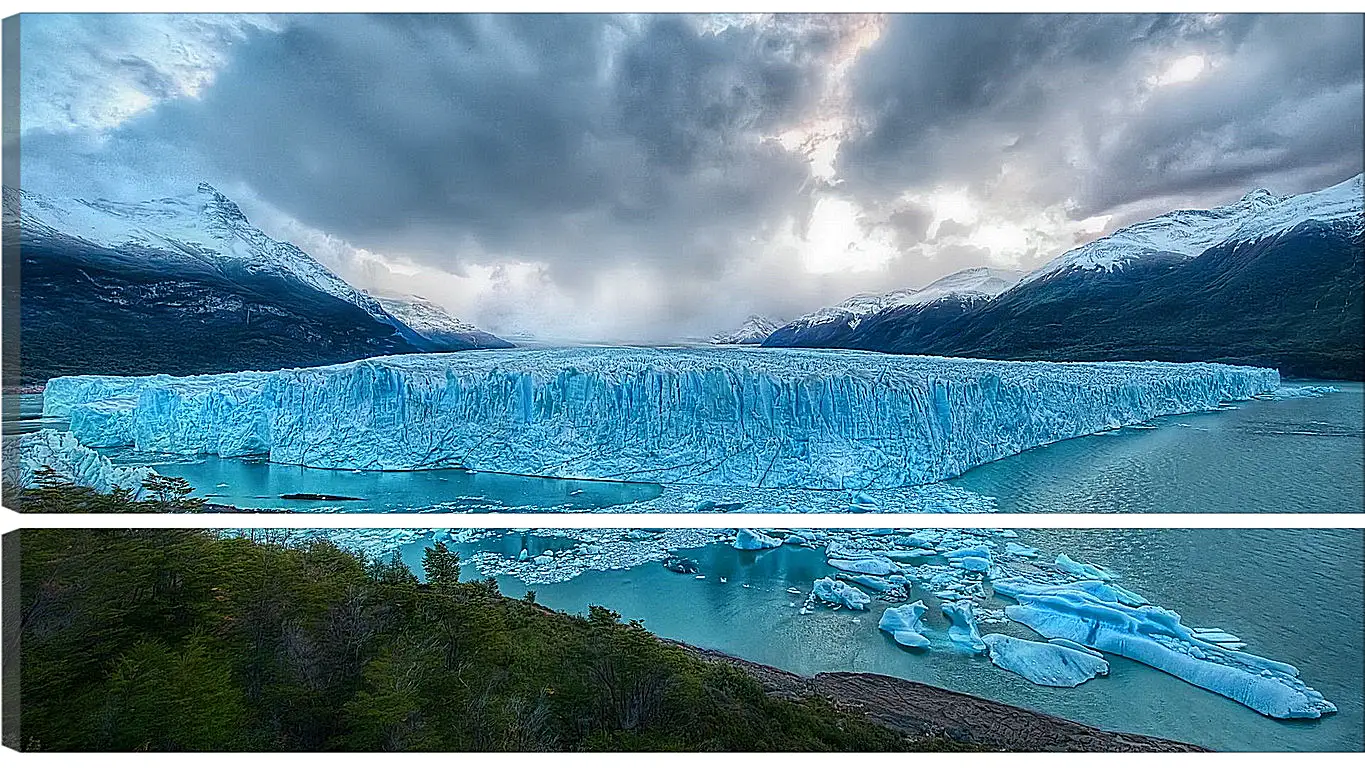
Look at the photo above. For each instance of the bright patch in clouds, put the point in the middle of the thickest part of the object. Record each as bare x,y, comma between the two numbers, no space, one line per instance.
836,241
1182,70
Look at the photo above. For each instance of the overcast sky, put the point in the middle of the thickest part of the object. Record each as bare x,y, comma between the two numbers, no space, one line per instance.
647,178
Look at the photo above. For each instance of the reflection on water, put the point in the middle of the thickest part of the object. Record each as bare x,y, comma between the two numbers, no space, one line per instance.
260,484
1292,595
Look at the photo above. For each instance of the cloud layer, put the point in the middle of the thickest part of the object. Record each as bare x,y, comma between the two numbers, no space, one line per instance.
645,178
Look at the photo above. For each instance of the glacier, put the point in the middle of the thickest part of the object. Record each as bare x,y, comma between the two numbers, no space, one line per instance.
77,464
775,418
1099,616
1051,664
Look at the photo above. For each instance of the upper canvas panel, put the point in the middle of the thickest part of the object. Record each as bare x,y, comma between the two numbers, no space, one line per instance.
475,263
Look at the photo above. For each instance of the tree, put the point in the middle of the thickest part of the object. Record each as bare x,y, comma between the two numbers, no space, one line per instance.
441,565
172,493
530,596
601,616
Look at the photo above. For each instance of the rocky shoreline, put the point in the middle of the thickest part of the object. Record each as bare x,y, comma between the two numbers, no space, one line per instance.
921,710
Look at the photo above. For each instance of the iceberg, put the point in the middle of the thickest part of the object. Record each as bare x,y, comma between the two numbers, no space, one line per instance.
874,583
1099,616
747,538
904,624
1053,664
1082,570
962,628
728,416
838,593
871,566
25,454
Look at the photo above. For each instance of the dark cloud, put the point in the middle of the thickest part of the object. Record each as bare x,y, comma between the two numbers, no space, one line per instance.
1064,101
626,170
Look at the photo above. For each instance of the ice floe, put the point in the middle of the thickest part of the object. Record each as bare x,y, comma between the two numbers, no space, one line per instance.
1051,664
904,624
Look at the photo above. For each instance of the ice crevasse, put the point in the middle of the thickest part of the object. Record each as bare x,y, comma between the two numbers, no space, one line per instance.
821,419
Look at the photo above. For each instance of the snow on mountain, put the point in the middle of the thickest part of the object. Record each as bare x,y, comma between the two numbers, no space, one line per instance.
204,226
423,316
753,331
975,282
1187,233
434,323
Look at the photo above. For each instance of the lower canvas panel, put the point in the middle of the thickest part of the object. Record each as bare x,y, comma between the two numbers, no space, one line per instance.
684,639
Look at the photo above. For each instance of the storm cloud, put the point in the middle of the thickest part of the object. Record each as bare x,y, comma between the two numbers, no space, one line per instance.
651,177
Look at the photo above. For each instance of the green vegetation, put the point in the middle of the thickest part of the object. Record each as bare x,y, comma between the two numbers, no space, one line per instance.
51,494
192,640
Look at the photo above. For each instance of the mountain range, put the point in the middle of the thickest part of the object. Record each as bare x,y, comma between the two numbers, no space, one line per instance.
1266,280
754,330
186,285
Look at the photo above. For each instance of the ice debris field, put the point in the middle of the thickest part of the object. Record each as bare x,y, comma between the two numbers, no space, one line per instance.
1054,619
763,418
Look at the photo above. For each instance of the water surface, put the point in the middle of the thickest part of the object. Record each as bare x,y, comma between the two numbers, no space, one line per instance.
1292,595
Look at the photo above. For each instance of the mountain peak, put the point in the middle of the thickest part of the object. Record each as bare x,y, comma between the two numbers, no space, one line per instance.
1259,195
1187,233
220,205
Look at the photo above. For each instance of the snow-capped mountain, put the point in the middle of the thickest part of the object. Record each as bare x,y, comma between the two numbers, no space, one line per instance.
434,323
754,330
1181,235
827,325
1266,280
204,227
181,285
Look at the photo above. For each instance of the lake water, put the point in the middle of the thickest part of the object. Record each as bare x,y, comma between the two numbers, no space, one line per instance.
1292,595
1300,455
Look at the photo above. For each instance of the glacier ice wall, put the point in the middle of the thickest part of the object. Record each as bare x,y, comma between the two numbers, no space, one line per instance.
25,454
820,419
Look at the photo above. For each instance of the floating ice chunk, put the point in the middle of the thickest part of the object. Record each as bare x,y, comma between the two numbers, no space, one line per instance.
962,629
978,550
973,564
863,503
820,419
1049,664
25,454
1218,637
874,583
1019,550
838,593
908,554
872,566
794,539
523,556
1090,613
1083,570
904,624
747,538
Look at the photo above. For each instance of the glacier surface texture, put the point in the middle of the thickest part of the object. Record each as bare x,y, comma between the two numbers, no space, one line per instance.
817,419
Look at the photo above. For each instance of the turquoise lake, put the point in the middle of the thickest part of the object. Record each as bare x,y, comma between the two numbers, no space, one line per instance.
1293,595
